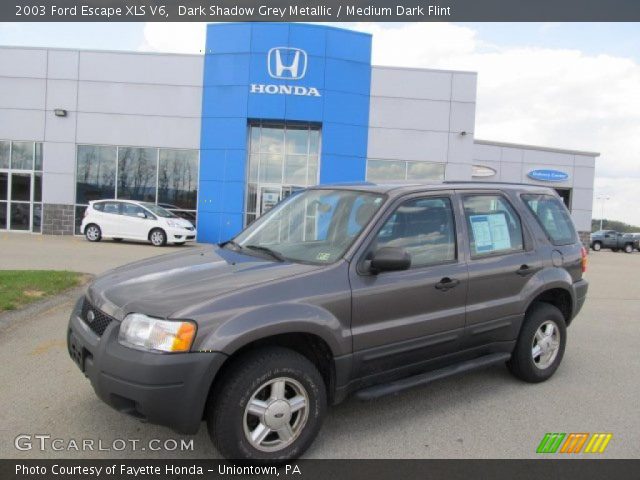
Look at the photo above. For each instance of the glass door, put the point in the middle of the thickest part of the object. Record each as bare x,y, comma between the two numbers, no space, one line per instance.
268,197
20,190
4,196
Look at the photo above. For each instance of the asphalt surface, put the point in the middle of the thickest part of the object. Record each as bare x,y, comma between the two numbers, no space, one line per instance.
486,414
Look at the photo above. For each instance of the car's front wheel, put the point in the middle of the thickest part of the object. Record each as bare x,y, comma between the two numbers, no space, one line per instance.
269,405
541,344
157,237
628,248
596,246
93,233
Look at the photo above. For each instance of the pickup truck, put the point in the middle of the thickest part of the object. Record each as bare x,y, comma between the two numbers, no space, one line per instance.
614,240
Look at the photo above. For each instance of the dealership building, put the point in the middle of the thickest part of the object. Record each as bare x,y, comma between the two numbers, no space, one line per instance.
267,109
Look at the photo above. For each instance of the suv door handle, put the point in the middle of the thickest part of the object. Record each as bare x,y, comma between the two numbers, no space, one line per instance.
524,270
446,283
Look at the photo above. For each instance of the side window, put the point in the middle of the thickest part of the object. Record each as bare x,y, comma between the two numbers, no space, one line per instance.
98,206
493,224
425,228
111,207
131,210
553,217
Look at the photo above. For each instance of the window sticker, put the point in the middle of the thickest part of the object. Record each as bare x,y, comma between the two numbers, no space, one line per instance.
490,232
323,257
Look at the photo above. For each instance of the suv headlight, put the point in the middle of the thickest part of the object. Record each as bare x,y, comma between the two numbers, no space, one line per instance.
146,333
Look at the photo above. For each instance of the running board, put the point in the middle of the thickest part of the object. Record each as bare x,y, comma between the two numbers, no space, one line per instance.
396,386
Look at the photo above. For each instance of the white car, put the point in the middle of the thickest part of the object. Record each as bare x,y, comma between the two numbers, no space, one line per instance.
133,220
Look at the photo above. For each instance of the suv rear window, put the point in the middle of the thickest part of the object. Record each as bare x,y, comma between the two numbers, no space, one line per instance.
553,217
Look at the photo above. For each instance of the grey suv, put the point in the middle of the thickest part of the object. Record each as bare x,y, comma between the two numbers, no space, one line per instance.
365,289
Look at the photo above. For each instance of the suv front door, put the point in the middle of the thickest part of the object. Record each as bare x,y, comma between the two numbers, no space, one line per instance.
403,319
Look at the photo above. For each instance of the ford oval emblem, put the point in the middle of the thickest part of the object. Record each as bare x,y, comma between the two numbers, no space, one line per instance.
544,175
91,316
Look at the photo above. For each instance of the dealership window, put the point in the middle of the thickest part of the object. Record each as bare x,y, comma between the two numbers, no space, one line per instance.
283,158
168,177
20,186
398,170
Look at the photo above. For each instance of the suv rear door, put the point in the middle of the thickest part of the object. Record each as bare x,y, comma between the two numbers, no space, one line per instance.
552,216
406,318
502,260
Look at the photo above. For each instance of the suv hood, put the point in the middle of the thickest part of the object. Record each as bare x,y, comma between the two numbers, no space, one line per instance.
161,286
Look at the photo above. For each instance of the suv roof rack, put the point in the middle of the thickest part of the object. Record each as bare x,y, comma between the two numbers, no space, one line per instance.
476,182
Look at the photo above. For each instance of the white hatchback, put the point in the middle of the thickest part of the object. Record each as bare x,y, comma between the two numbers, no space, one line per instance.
132,220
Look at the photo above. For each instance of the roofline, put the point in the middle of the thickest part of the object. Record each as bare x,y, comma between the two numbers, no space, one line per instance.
202,54
535,147
96,50
424,69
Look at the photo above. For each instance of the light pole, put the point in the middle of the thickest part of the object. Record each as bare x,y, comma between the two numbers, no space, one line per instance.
602,198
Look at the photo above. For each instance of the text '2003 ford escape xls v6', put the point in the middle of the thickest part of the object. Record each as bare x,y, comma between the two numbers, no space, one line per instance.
338,289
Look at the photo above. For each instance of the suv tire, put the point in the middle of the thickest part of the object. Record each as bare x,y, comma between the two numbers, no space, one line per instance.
540,345
596,246
628,248
93,233
257,392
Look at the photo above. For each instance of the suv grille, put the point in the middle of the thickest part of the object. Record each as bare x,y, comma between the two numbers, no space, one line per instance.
100,320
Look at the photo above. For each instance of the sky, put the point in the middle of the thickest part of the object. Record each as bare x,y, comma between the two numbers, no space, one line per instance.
565,85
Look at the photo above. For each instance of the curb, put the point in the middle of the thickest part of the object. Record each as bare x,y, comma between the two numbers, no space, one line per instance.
40,306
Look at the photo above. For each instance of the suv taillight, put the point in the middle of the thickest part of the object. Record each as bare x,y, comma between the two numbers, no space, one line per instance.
583,252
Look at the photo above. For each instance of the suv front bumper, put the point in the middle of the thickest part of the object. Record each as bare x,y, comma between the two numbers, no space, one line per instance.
166,389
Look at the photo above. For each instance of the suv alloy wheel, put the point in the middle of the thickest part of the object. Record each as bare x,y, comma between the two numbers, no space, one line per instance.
269,405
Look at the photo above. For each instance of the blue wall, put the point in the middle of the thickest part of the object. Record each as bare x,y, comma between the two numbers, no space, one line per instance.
338,66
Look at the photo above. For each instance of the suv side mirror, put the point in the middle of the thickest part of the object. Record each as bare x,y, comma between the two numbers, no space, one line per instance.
141,215
389,259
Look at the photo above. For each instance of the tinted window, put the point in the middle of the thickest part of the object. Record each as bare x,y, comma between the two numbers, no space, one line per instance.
96,173
111,207
178,178
493,225
553,217
137,173
5,149
132,210
22,155
98,206
424,228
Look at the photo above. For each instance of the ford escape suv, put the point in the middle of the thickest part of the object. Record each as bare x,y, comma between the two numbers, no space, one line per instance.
364,289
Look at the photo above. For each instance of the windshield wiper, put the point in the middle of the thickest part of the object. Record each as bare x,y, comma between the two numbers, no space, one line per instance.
277,255
235,245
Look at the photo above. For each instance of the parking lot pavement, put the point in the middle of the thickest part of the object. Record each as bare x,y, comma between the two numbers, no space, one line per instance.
486,414
46,252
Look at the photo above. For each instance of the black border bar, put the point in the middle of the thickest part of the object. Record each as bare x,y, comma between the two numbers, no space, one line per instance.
319,10
547,468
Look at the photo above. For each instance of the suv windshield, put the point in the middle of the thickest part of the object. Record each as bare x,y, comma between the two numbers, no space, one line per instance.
313,226
159,211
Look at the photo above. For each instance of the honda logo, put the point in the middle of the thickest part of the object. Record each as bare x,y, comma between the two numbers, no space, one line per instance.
287,63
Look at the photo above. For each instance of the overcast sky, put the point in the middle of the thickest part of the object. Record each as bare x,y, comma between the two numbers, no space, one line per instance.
564,85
